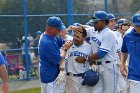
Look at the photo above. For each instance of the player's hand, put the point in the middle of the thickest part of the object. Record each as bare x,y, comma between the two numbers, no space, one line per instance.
4,88
60,78
73,28
80,59
94,67
67,45
123,70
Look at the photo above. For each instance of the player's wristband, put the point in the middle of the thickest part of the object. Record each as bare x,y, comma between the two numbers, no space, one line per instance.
64,49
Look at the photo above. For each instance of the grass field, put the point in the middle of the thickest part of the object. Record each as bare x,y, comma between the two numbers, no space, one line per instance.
34,90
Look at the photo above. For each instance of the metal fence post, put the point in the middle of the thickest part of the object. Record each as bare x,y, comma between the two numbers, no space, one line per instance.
70,12
26,40
106,5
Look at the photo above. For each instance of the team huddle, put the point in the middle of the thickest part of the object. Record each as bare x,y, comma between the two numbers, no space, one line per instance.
99,57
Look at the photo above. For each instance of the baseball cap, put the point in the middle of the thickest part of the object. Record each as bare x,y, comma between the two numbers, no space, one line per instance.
38,32
136,19
111,17
99,16
55,22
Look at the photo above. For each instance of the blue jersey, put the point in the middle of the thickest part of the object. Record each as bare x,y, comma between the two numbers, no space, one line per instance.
2,60
49,58
131,45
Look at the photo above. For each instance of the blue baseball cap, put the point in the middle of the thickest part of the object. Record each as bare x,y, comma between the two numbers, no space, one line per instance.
99,16
122,21
38,32
136,19
56,22
111,17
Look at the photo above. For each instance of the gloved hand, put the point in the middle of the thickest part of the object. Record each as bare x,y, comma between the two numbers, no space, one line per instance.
60,78
94,67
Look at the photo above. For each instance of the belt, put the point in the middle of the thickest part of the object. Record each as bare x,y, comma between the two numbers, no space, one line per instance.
100,63
75,75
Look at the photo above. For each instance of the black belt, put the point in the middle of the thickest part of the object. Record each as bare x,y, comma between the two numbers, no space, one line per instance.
100,63
75,75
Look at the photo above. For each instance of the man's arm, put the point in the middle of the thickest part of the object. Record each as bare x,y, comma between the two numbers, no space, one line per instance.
91,59
4,76
65,47
123,69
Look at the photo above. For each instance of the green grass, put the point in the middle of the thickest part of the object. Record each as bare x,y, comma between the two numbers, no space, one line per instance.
34,90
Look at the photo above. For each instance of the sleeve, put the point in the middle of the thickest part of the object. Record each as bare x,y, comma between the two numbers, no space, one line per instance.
2,60
101,54
107,43
60,41
52,53
124,48
90,31
119,40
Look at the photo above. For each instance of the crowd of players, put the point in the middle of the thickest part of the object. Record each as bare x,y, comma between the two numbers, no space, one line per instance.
106,44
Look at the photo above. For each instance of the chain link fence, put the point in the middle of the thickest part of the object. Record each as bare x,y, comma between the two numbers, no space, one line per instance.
12,21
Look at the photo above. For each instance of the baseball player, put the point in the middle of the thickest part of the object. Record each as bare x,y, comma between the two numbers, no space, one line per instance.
74,69
112,21
50,56
104,56
123,26
61,78
131,43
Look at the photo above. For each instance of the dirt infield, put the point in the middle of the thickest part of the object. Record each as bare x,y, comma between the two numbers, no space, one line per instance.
19,85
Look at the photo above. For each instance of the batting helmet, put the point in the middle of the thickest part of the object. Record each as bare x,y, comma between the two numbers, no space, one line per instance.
122,21
90,77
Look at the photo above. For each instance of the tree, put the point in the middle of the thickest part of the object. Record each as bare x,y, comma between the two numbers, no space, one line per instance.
135,6
115,6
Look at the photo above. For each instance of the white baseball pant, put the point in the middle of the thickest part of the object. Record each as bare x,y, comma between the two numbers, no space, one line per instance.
134,86
108,78
74,85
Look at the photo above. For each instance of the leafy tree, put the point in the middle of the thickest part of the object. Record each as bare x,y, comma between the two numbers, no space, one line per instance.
135,6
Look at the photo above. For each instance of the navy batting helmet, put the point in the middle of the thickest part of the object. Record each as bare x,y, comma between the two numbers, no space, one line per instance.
122,21
90,77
